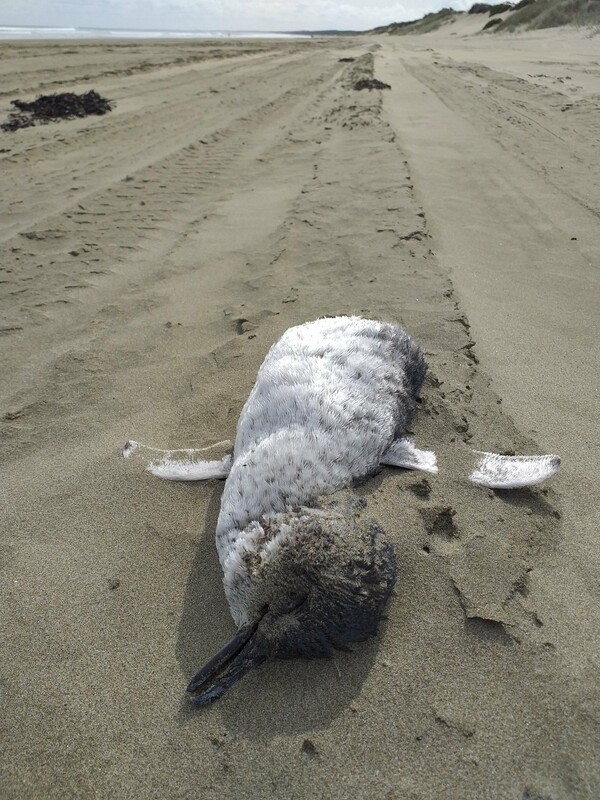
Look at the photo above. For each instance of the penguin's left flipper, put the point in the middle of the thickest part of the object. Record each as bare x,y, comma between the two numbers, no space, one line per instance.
491,470
512,472
403,453
181,465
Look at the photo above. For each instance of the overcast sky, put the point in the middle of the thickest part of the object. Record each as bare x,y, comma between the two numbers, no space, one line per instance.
218,14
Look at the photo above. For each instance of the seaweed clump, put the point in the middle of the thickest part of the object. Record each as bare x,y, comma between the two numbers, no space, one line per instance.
370,83
54,107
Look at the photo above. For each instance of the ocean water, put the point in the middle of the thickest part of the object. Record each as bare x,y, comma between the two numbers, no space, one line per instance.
32,32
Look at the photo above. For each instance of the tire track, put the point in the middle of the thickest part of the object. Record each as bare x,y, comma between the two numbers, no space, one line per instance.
531,123
92,155
98,257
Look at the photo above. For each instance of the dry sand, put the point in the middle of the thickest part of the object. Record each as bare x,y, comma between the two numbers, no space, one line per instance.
149,258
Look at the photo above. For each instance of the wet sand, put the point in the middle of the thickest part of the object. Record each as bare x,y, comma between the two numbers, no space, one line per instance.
148,260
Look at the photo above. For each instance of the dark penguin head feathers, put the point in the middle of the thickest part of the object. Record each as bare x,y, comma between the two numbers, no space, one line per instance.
317,580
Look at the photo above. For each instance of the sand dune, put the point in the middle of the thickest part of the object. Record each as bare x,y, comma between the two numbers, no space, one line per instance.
148,260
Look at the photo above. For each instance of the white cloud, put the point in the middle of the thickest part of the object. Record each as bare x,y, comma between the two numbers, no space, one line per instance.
224,14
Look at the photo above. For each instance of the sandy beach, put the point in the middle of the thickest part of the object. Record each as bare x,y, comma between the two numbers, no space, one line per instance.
149,258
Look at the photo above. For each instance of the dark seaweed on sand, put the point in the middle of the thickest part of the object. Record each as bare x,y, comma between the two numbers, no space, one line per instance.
53,107
370,83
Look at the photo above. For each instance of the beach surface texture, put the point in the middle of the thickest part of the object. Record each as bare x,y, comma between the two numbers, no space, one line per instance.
148,260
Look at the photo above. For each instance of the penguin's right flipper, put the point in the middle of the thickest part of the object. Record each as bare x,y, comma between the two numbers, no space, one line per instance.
181,465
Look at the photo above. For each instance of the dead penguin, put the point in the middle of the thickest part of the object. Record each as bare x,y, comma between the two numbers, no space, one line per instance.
331,403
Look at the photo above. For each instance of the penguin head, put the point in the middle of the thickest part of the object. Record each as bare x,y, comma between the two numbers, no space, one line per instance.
309,581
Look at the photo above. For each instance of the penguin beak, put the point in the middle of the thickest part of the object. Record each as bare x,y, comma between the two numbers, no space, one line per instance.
247,649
